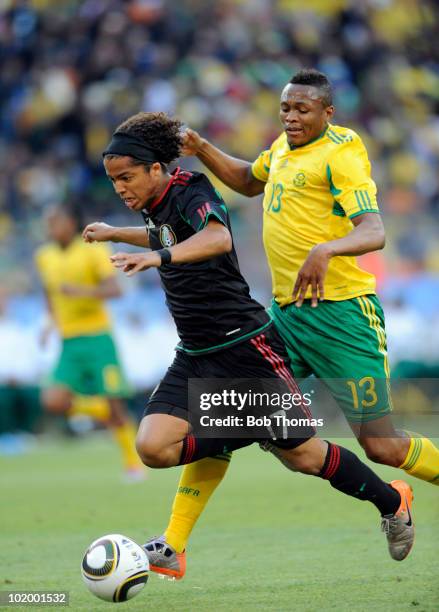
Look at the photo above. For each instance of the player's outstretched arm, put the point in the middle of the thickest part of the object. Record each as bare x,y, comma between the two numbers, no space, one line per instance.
233,172
107,289
48,325
213,240
102,232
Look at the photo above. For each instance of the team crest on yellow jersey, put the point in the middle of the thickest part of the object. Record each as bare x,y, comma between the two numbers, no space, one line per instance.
167,236
300,179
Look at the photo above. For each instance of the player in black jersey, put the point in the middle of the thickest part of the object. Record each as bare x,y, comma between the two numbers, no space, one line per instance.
224,332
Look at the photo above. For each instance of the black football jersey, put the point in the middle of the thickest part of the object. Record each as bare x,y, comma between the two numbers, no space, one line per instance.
210,300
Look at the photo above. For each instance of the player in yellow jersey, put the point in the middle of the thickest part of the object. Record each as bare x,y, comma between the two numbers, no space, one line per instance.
319,212
77,278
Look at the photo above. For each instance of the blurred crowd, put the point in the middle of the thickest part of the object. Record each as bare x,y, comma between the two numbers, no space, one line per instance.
72,70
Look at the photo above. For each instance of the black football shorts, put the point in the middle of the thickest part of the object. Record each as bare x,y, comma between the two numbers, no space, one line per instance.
260,358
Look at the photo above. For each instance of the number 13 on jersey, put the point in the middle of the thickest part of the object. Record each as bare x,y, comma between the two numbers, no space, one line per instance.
275,202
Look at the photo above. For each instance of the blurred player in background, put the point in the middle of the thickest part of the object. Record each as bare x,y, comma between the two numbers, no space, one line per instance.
224,332
20,373
77,279
320,211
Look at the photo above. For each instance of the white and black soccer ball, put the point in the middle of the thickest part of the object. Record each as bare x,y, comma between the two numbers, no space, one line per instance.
115,568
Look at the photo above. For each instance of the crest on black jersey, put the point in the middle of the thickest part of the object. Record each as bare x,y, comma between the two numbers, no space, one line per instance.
167,236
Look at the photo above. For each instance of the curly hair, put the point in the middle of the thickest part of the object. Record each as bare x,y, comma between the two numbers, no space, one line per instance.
159,132
310,76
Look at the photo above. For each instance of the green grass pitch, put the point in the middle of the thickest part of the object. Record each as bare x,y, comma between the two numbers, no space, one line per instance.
269,540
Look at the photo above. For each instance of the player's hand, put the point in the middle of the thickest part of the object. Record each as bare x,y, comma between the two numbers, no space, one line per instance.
131,263
98,232
191,142
312,273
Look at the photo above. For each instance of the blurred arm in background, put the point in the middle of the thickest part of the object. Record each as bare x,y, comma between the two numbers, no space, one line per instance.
105,290
48,324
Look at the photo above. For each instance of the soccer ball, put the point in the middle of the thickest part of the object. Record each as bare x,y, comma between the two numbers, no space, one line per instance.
115,568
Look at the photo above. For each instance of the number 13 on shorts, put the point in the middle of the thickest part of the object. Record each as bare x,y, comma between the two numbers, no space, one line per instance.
363,392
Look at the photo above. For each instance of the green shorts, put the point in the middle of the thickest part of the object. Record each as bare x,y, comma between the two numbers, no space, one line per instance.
89,365
20,407
344,343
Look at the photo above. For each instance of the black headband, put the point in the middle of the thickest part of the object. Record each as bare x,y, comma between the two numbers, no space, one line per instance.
126,144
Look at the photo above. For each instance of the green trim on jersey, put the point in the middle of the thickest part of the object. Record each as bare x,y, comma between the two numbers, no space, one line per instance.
337,208
415,454
362,198
319,137
211,213
361,212
339,138
210,349
332,188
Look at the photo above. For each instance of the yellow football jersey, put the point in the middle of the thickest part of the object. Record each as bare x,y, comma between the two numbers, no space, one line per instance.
78,264
312,192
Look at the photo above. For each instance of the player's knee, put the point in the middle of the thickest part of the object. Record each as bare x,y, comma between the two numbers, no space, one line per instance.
56,401
148,452
306,464
151,453
306,458
383,450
